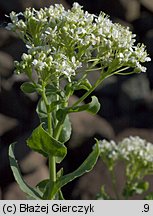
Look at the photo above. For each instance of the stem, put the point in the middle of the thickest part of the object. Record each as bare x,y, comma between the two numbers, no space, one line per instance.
114,184
49,123
59,125
122,69
48,113
98,82
102,77
58,129
52,168
52,161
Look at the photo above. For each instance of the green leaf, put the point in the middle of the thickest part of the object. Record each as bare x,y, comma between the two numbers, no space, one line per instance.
149,196
41,109
53,90
86,166
41,187
135,188
92,107
84,84
59,173
44,186
42,113
28,87
18,177
45,144
69,89
50,90
77,85
66,130
142,187
60,195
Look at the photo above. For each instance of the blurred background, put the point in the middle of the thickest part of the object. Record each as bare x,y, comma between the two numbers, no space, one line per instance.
126,104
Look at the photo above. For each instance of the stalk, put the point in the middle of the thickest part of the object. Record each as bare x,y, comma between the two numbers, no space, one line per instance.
52,161
97,83
103,76
114,184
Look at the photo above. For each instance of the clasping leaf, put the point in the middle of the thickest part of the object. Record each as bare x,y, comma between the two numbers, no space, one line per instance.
46,145
92,107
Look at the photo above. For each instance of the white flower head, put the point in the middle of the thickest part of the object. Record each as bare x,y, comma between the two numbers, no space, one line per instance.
77,35
136,147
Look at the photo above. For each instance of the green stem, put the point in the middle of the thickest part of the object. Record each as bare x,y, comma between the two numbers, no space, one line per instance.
52,168
122,69
52,161
49,119
58,129
59,125
97,83
114,184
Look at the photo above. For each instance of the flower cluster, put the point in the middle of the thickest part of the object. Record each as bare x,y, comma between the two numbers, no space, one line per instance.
109,153
135,148
136,152
48,66
59,41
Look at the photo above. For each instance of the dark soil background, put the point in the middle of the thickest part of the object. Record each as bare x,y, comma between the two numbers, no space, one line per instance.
126,104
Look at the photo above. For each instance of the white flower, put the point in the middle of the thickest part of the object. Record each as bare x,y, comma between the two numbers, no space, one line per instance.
73,59
26,57
21,24
14,17
147,59
76,34
35,62
76,6
81,30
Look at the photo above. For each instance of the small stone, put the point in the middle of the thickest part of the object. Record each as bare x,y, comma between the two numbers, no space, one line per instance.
133,92
146,134
148,4
7,123
143,24
6,64
32,162
39,3
132,8
4,36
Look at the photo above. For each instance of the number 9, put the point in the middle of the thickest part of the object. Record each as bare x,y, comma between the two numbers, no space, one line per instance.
146,207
